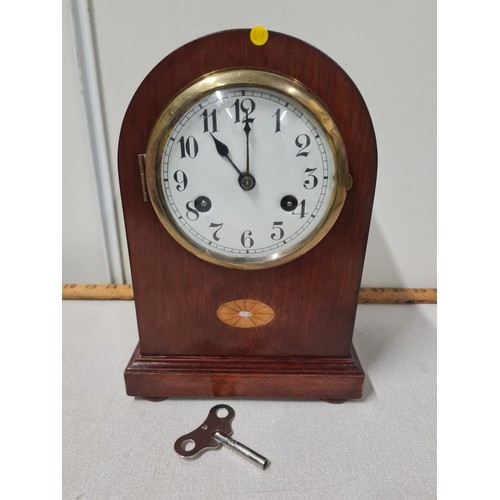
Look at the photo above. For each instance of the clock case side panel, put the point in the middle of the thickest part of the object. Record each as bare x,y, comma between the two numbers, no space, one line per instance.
315,296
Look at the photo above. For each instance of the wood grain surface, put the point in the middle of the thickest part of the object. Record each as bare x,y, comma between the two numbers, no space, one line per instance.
366,295
176,293
330,379
184,349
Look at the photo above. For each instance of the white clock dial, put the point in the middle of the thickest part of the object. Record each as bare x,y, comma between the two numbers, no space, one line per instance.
247,176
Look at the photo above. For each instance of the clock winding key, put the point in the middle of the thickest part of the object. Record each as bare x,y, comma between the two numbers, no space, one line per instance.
212,433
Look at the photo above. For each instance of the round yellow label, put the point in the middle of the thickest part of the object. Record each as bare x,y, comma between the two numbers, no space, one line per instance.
259,35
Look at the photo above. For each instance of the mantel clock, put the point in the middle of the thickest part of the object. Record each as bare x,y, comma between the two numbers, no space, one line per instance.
247,174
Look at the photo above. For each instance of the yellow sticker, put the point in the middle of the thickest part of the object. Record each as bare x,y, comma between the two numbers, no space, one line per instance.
259,35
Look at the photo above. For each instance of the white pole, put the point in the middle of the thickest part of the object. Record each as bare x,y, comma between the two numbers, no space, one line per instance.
95,118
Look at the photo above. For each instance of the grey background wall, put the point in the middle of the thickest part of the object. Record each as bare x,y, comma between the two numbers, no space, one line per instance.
388,48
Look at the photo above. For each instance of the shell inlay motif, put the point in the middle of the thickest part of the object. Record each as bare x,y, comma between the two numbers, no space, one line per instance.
245,313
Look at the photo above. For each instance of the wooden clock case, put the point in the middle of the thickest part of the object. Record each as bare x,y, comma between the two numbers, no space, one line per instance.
184,349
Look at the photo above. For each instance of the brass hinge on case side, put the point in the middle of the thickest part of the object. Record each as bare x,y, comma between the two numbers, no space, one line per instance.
142,168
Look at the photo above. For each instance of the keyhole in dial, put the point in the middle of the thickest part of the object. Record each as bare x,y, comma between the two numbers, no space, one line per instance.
289,203
202,204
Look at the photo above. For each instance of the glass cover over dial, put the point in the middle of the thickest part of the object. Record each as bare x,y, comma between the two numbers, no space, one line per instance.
247,169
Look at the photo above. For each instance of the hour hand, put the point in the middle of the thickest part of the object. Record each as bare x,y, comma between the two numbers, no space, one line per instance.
223,150
245,180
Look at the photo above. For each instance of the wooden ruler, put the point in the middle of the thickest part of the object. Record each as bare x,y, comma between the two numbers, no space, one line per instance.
97,292
366,295
398,296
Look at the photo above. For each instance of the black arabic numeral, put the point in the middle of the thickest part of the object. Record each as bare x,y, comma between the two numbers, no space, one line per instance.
302,142
192,214
181,178
206,122
247,105
312,181
246,241
302,212
278,120
219,227
279,233
236,107
189,147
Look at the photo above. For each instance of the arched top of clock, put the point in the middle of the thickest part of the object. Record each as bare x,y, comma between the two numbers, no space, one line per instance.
281,53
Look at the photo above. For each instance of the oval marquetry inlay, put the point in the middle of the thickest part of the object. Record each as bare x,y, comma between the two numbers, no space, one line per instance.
245,313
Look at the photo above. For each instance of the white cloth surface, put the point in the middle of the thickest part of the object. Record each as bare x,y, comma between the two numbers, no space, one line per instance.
381,447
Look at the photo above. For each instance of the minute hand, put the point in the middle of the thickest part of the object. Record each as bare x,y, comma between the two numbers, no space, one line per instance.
247,130
223,150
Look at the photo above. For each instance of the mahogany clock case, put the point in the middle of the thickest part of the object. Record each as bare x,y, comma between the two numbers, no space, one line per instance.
306,350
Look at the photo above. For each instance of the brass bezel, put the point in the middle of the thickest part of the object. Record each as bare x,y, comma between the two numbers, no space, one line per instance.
226,78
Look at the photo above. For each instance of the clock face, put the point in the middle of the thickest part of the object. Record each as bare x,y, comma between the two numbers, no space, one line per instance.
247,169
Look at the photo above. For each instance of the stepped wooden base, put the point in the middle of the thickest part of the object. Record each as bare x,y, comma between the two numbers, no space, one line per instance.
331,379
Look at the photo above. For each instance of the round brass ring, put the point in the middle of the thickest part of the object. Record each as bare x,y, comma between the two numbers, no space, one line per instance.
227,78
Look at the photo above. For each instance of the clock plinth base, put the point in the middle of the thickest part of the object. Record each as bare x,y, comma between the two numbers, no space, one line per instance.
331,379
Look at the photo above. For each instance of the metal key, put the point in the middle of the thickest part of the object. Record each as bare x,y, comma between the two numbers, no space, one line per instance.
214,432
